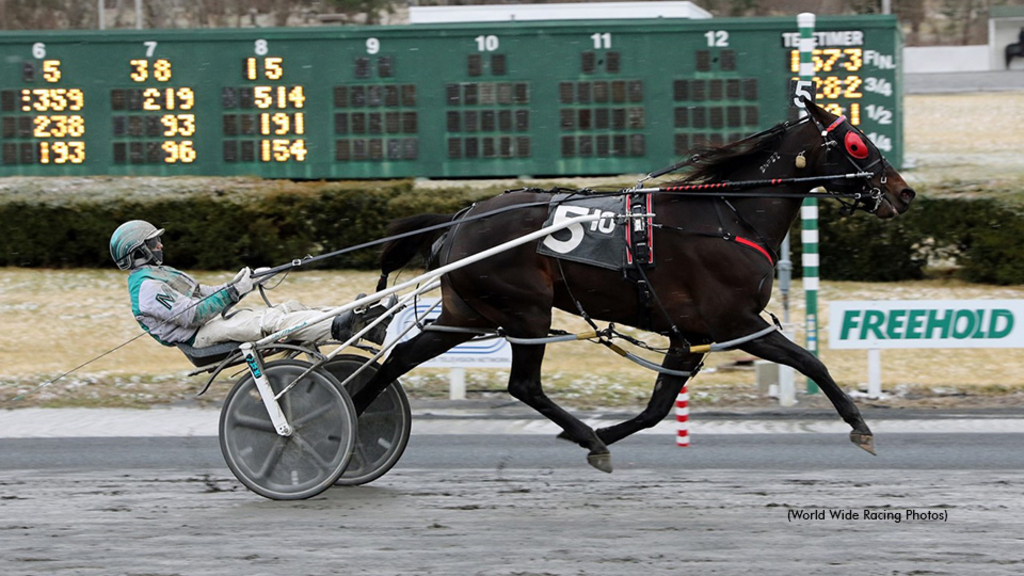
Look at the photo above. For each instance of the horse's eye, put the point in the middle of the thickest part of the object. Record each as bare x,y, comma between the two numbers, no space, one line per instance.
856,146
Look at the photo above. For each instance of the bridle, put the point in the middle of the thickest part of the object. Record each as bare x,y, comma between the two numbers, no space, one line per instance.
855,149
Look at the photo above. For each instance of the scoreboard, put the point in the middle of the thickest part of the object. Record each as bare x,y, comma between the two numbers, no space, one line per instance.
457,100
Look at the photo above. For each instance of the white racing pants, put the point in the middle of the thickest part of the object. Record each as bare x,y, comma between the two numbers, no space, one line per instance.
248,325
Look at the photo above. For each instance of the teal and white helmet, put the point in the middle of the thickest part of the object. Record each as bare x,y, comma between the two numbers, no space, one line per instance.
134,244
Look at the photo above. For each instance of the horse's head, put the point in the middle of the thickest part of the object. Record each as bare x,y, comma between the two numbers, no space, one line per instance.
845,149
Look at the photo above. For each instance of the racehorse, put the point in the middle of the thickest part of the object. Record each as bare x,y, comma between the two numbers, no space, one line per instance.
709,287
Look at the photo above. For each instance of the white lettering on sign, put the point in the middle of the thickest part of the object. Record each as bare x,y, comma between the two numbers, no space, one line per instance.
878,86
883,142
822,39
879,60
926,324
605,225
879,113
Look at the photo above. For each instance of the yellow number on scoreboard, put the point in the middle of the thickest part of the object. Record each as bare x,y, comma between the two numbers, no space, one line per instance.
51,70
282,150
139,70
61,152
179,124
273,68
175,152
58,126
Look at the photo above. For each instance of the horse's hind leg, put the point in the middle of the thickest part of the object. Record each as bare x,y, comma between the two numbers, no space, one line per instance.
777,348
666,389
524,384
405,357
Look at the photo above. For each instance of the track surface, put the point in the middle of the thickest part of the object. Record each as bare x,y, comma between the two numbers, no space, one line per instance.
526,505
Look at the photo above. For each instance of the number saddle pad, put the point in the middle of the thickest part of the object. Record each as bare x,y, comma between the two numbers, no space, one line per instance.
602,243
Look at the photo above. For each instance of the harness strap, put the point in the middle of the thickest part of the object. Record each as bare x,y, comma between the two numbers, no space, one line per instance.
551,339
724,236
646,295
755,246
730,237
761,243
579,306
646,363
480,334
430,326
722,346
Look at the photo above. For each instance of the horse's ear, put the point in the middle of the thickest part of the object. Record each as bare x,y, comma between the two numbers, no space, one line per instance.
818,112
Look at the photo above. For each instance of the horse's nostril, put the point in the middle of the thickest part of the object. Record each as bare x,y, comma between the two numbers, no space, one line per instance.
907,195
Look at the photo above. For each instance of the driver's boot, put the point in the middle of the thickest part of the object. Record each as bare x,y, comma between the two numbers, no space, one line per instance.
347,324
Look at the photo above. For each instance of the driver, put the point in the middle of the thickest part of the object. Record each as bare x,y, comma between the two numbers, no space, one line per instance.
174,308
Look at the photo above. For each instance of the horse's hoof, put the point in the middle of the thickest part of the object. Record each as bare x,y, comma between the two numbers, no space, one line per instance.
865,441
602,462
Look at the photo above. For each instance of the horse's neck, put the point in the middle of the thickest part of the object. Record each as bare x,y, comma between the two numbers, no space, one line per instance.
771,218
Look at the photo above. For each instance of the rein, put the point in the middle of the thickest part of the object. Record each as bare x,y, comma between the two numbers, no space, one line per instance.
311,259
696,189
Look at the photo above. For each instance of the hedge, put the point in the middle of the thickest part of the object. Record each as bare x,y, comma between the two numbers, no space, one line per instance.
218,229
221,223
979,237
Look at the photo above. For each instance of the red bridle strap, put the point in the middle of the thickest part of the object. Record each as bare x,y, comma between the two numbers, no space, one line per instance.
835,124
755,246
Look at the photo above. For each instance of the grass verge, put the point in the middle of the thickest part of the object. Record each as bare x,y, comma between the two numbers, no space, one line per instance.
72,316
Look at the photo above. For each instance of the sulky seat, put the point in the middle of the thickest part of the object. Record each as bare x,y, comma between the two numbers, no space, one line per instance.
201,357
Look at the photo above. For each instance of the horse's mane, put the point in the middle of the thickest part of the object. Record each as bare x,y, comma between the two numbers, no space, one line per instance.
709,163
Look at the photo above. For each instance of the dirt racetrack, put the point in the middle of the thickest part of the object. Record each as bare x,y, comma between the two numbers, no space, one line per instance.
518,523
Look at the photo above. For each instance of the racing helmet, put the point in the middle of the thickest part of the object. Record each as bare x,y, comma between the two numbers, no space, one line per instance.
133,244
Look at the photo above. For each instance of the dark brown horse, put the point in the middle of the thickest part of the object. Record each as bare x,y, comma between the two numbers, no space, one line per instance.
710,288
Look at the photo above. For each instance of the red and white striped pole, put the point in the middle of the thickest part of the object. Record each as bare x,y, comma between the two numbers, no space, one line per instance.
683,417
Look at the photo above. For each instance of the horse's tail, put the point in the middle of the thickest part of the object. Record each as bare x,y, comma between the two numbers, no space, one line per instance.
398,253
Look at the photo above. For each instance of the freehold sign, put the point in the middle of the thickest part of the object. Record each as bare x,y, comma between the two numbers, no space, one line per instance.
926,324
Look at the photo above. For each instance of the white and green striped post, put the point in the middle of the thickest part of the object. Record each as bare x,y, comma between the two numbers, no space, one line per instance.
809,210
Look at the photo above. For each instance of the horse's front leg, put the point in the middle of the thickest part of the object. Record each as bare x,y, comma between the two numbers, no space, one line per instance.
524,384
666,389
775,347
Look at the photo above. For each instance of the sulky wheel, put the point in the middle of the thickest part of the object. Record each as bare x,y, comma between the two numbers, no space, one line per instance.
308,461
382,430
